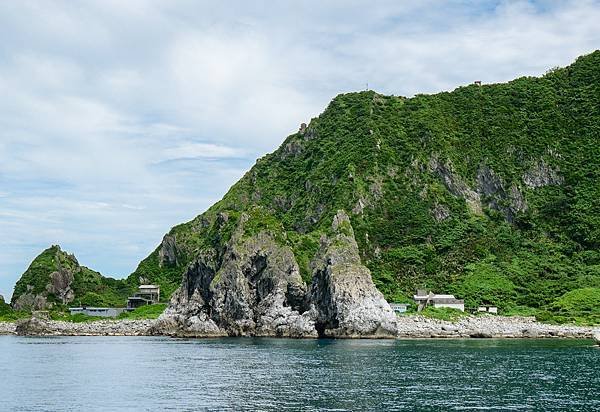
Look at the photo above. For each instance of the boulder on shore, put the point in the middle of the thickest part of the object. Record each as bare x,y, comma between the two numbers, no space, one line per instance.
596,337
33,327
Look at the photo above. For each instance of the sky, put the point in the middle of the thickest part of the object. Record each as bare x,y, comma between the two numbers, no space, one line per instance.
120,119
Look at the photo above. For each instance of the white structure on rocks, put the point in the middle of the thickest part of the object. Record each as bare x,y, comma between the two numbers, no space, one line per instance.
399,307
488,309
424,299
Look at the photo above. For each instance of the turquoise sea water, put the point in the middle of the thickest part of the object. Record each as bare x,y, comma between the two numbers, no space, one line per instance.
147,373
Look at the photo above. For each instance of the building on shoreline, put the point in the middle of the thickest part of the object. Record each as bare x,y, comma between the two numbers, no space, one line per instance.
488,309
423,298
146,295
399,307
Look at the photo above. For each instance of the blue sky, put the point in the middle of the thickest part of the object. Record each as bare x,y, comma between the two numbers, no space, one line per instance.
121,119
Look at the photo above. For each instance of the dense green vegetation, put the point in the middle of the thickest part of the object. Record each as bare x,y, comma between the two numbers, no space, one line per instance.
447,314
7,314
145,312
488,192
580,306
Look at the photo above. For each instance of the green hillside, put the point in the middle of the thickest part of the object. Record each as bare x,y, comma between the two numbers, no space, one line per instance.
55,279
490,192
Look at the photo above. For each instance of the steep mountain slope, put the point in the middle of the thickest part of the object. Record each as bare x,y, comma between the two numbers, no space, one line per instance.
491,192
55,278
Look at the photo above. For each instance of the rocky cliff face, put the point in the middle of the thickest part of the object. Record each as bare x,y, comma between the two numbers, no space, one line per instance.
255,289
342,295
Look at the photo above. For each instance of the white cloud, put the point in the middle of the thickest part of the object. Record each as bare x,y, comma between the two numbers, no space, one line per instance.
121,119
201,150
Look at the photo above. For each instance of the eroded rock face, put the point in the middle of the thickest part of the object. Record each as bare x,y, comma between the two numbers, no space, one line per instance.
167,254
490,190
30,301
254,288
60,285
456,185
541,174
343,296
58,269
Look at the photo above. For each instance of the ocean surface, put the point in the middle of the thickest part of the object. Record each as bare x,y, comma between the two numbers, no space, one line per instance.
148,373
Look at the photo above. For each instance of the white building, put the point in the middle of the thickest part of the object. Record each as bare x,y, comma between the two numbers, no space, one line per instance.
399,307
424,298
488,309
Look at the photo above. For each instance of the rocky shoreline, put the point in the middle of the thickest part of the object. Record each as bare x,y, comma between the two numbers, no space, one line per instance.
409,327
489,326
44,327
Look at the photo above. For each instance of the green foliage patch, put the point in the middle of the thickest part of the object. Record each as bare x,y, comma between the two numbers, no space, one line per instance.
145,312
447,314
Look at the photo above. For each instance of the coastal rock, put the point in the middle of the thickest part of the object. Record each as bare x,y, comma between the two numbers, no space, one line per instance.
48,280
343,296
32,326
30,301
596,337
480,335
60,285
254,288
412,326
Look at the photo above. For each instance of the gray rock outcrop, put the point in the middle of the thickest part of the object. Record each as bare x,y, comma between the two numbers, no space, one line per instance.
30,301
167,254
541,174
254,288
346,302
487,326
596,337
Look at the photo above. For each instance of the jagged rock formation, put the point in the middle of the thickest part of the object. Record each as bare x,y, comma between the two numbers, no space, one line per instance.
255,289
346,301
